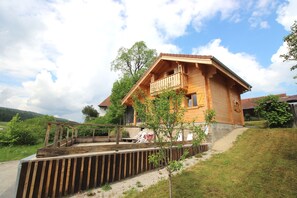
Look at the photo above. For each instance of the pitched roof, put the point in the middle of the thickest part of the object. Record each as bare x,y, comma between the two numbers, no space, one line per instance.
250,103
292,98
200,59
105,103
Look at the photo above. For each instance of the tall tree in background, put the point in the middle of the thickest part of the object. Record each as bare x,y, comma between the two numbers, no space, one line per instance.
89,112
134,61
291,41
120,88
131,63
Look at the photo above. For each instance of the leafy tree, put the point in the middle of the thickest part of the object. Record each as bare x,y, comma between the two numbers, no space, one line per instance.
90,112
134,61
163,115
17,134
119,90
291,41
276,113
27,132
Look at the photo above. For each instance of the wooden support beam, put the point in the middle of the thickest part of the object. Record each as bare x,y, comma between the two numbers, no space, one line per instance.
41,179
56,137
135,118
33,179
47,134
67,176
61,132
48,178
93,135
117,135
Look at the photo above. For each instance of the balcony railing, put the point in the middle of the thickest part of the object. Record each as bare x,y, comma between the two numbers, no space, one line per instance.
175,81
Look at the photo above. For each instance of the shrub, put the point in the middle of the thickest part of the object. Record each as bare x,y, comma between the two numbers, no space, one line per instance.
276,113
28,132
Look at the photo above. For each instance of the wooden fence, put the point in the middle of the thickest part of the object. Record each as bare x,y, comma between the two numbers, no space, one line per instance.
65,175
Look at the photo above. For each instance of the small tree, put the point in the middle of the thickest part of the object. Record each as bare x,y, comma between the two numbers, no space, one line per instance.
291,41
18,133
89,112
163,115
274,111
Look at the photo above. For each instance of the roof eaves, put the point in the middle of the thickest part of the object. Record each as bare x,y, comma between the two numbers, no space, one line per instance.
231,72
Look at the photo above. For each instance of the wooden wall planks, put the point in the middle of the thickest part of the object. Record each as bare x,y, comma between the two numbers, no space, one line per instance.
61,176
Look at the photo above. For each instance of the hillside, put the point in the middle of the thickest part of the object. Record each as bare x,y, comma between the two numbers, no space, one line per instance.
6,114
262,163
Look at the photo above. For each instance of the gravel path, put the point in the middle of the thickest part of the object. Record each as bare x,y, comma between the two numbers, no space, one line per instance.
8,174
152,177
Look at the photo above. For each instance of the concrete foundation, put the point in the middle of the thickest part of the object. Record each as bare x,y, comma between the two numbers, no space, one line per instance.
219,130
215,132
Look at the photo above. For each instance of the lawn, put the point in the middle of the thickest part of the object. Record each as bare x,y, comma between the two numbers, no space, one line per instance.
262,163
256,124
8,153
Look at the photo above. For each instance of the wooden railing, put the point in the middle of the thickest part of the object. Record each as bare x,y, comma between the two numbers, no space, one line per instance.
175,81
66,175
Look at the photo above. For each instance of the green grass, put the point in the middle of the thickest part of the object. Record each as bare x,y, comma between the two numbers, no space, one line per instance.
256,124
262,163
3,125
8,153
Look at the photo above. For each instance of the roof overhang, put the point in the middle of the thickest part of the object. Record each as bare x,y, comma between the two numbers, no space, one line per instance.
206,60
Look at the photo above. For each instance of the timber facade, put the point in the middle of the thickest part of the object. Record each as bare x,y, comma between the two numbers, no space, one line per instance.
207,83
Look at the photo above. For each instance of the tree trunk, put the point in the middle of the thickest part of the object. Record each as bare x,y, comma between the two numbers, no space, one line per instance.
170,183
169,171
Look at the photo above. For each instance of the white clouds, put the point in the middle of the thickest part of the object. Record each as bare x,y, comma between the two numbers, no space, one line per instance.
271,79
261,10
57,54
287,13
60,52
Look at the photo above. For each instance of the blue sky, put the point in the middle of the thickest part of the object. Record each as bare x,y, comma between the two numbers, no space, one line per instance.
55,55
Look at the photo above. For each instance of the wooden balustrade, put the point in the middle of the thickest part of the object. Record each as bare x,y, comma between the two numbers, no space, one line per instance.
175,81
66,175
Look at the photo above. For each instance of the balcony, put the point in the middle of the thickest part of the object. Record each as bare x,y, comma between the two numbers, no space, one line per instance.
172,82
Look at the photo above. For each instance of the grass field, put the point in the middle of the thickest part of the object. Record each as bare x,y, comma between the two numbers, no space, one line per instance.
3,125
262,163
256,124
8,153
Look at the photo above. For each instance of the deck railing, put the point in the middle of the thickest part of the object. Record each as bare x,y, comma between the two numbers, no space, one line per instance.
175,81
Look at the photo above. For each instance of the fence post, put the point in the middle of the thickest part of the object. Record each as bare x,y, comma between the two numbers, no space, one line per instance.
67,136
93,135
56,135
118,134
47,134
61,128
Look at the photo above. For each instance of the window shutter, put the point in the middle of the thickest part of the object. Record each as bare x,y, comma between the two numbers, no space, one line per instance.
201,100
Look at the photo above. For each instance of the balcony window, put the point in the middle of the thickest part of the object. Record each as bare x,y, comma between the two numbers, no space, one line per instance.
192,100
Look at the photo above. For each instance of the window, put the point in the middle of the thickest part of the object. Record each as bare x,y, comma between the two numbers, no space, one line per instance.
192,100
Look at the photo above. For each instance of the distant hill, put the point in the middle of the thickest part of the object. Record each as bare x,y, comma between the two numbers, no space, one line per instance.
6,114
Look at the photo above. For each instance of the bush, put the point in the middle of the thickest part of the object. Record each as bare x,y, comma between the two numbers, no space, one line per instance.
28,132
125,134
276,113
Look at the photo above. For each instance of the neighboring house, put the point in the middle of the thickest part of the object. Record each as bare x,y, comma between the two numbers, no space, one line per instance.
207,82
248,106
103,106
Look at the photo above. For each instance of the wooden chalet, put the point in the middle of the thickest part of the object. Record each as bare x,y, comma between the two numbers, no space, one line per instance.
207,82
